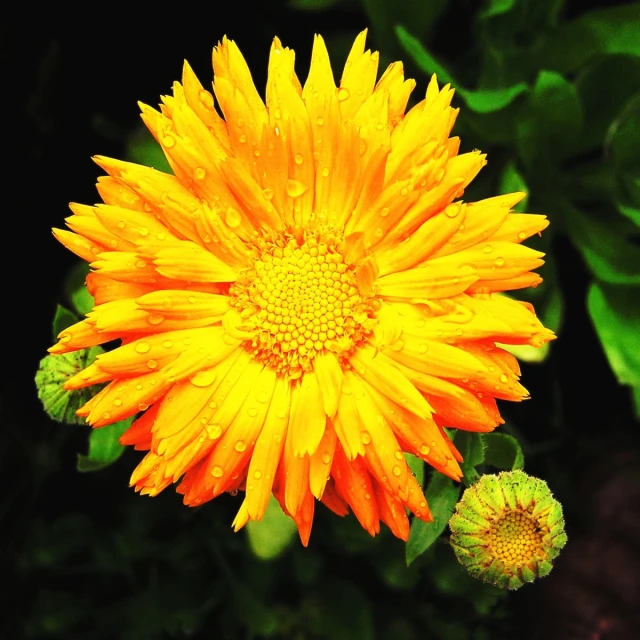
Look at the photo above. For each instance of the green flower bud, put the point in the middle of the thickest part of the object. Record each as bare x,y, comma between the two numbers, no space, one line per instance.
61,405
507,529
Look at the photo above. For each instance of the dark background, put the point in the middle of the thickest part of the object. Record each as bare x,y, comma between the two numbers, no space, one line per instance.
84,557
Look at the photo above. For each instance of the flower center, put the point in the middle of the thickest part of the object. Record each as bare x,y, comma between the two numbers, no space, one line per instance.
516,538
301,298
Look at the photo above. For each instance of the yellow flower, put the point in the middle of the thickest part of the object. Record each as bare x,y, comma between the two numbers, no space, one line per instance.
307,298
507,529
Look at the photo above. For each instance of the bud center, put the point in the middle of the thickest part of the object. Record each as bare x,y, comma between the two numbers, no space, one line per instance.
516,538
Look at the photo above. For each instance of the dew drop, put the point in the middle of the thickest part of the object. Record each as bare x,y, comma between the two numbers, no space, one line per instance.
365,436
325,172
343,93
424,450
200,173
277,114
499,262
257,475
168,141
384,212
143,347
396,471
141,264
367,496
267,193
217,472
142,406
320,121
398,455
326,458
152,364
232,217
243,138
117,402
522,235
240,446
155,319
167,344
487,248
452,210
503,378
252,411
214,431
423,348
106,415
299,159
203,378
295,188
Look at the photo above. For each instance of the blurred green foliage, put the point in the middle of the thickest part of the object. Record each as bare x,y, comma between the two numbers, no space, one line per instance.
552,94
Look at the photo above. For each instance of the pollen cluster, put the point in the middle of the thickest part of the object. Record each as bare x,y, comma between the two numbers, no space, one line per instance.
516,538
300,298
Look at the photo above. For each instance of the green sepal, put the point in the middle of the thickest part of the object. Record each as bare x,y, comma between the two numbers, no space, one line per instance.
104,447
270,537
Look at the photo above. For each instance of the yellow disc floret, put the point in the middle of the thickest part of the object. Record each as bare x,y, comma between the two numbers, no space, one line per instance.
299,298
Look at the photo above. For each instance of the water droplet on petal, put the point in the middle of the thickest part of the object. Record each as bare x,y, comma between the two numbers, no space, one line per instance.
152,364
203,378
396,471
217,472
488,248
155,319
214,431
117,402
295,188
326,458
240,446
143,347
200,173
424,450
232,217
503,378
257,475
365,436
343,93
168,141
325,172
267,193
299,159
499,262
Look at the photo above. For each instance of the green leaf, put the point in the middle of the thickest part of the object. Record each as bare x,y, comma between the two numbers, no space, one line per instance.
471,447
551,121
603,245
104,447
503,451
62,319
143,149
270,537
630,212
615,313
442,495
511,181
383,14
417,467
604,31
54,370
480,101
604,87
497,7
80,298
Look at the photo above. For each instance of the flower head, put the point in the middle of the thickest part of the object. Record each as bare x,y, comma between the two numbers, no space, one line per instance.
507,529
307,298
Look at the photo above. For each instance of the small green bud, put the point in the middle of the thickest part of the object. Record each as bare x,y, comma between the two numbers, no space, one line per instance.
61,405
507,529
